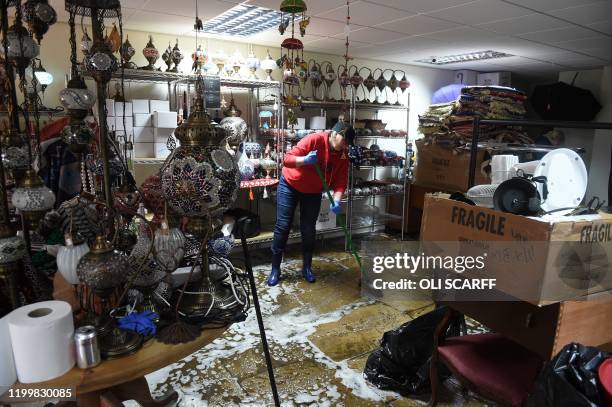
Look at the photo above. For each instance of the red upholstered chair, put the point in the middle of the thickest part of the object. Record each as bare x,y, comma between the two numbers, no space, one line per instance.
488,364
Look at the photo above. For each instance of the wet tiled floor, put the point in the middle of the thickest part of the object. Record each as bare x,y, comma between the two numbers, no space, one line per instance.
320,336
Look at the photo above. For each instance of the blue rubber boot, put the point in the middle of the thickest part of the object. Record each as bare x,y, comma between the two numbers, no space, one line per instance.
307,268
274,276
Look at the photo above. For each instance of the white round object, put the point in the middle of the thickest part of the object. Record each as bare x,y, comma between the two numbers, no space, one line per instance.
566,179
68,258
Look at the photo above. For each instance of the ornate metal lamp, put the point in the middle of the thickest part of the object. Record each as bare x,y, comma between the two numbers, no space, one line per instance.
32,197
39,16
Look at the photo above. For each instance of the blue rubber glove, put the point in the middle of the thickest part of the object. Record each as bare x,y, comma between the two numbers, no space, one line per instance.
335,207
310,158
140,322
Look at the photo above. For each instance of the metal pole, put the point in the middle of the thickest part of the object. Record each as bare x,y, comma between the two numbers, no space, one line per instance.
407,164
98,35
262,330
474,152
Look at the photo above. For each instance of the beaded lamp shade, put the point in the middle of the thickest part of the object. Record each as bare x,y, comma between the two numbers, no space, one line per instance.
200,177
103,268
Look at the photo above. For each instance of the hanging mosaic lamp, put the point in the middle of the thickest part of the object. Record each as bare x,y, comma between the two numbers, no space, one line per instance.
151,54
86,43
393,83
76,98
200,178
68,257
169,247
21,47
12,249
39,16
369,82
32,197
177,56
101,63
199,58
78,137
268,65
381,82
127,51
404,83
15,155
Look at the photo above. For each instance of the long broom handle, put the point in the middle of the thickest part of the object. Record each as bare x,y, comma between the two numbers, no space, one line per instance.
331,200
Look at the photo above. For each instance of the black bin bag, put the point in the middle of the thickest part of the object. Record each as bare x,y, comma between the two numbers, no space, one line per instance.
570,379
401,363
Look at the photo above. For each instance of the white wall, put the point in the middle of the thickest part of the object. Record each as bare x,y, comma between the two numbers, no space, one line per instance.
598,143
55,56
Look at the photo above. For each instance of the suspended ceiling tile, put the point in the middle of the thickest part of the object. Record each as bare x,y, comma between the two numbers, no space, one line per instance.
461,34
366,14
587,14
418,25
604,53
524,24
314,6
481,11
172,24
560,34
372,35
584,62
548,5
580,44
419,6
135,4
206,10
331,44
321,26
602,26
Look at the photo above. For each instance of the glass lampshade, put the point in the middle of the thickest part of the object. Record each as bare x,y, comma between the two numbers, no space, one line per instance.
32,195
68,257
21,46
220,57
12,248
78,137
76,96
252,62
169,246
268,64
103,268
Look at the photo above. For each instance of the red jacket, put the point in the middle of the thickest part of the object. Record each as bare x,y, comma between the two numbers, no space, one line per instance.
334,164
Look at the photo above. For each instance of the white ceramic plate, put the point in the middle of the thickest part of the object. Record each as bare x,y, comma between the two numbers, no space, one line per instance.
567,179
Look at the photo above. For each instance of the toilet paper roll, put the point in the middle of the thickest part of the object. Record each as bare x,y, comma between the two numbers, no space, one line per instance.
8,374
41,334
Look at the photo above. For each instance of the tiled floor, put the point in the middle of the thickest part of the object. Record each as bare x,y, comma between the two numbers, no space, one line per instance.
320,337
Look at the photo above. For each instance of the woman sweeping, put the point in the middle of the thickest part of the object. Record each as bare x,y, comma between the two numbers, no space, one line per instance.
300,184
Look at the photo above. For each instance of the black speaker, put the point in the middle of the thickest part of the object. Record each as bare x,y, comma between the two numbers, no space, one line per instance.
519,196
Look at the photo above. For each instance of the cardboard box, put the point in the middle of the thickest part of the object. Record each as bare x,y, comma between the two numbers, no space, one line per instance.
161,150
165,120
534,260
144,150
161,135
120,121
159,106
140,106
446,168
119,109
143,119
495,79
143,134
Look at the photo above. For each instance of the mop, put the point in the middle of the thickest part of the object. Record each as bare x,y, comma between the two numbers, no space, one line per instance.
347,235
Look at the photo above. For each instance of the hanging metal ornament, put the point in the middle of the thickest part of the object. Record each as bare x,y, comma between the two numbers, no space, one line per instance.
15,157
39,16
356,79
393,82
302,71
127,51
344,79
369,83
101,63
177,56
114,39
292,49
167,57
404,83
316,79
151,54
329,77
86,43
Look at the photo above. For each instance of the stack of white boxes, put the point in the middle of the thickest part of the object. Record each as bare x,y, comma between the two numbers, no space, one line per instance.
153,124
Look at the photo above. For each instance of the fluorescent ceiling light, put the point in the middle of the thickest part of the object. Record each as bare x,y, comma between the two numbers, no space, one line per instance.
244,20
469,57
